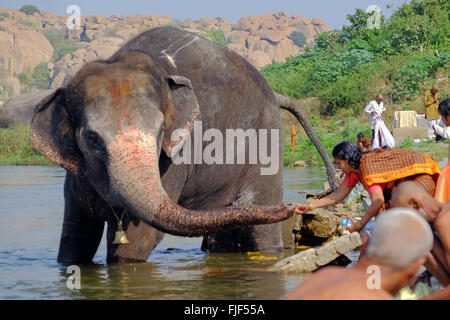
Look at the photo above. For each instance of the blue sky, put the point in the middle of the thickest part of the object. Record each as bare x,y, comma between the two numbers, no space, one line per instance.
332,12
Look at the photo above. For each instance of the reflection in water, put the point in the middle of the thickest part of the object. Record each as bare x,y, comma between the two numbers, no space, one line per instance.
31,213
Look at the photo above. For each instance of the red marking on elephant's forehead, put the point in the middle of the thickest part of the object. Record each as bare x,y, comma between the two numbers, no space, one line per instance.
120,92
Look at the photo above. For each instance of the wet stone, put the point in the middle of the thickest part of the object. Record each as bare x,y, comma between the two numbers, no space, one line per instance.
311,259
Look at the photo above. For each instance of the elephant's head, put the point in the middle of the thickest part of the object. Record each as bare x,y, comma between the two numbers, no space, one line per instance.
112,123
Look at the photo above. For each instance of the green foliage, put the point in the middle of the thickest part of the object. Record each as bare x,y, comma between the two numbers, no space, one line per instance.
3,15
330,69
39,78
143,28
348,67
327,40
358,25
411,33
298,38
217,36
110,33
15,148
61,44
415,72
29,9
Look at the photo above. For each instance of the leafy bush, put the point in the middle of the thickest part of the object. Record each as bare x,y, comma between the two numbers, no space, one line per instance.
15,148
414,73
29,9
61,44
298,38
330,68
217,36
3,15
110,33
39,78
327,40
411,33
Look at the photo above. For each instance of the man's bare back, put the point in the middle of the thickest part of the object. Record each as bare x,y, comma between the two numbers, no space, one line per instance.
337,283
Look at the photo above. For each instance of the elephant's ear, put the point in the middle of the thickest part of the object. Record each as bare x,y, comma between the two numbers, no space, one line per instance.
180,112
52,132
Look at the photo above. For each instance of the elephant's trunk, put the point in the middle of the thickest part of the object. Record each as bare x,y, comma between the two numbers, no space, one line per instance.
135,181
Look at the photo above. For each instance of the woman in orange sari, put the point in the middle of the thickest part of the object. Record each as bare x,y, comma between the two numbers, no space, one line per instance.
379,171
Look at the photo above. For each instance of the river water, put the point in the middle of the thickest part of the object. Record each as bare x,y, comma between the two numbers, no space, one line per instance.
31,215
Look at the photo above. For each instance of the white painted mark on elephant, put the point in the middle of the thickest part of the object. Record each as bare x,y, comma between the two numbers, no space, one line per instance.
245,197
185,46
170,56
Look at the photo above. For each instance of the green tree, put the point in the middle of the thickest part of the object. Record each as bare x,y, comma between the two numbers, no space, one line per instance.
298,38
29,9
358,24
61,44
328,40
217,36
39,78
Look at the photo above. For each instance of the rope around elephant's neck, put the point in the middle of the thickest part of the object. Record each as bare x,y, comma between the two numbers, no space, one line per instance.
119,221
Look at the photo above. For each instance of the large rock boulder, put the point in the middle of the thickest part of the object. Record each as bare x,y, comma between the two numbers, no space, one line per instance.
22,48
321,223
20,109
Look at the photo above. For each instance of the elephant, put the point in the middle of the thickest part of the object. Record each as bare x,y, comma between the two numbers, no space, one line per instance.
112,129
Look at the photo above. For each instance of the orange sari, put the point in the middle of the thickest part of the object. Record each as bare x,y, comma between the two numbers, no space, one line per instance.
393,166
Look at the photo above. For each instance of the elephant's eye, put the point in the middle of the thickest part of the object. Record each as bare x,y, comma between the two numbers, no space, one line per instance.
94,140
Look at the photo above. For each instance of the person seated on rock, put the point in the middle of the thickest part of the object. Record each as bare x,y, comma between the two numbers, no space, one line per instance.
379,171
413,195
400,241
363,143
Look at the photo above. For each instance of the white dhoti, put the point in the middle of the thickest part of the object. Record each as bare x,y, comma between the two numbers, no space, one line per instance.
382,137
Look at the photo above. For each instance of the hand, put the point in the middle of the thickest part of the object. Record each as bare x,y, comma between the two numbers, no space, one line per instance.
356,225
352,219
352,228
430,209
301,209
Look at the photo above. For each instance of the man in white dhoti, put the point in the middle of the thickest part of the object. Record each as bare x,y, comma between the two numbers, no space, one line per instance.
381,137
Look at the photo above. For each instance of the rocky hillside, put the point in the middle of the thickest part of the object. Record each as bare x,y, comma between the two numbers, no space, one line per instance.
39,51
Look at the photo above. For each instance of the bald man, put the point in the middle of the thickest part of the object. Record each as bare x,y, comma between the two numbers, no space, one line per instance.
413,195
400,241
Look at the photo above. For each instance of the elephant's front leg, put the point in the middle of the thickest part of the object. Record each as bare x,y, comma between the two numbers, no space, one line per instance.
81,230
143,239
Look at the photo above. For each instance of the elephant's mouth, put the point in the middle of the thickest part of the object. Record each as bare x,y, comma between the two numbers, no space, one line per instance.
133,168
